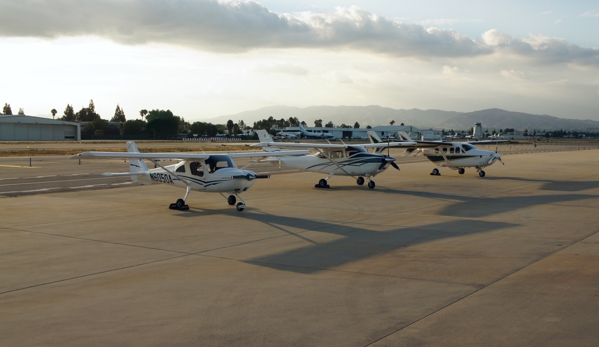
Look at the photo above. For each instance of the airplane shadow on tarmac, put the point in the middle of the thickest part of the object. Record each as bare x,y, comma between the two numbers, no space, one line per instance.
357,243
478,207
560,186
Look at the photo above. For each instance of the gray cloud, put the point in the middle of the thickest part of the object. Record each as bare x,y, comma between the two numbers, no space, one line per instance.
234,26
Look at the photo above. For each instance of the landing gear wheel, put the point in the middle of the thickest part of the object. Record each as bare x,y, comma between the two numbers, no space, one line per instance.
371,184
240,206
360,181
231,200
435,172
179,205
322,184
481,173
461,171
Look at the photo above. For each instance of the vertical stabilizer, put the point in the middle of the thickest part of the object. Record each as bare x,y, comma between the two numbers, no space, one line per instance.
135,165
266,141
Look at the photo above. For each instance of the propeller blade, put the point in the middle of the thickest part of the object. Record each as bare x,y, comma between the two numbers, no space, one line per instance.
395,165
262,176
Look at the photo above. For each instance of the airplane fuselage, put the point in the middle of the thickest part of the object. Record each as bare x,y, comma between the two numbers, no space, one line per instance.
359,164
460,155
224,180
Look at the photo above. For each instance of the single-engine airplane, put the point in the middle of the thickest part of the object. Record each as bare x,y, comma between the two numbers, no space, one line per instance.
453,155
215,173
333,159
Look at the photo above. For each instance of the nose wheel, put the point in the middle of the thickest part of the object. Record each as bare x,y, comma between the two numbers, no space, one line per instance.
232,199
371,184
435,172
461,171
481,173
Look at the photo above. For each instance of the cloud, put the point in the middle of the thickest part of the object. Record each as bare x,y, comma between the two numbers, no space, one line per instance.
242,26
590,14
542,49
283,69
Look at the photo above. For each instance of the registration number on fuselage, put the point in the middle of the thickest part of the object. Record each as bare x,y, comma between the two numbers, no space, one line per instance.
161,177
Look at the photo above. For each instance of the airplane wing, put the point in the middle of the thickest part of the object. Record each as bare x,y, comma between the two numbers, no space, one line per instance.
487,142
332,146
182,156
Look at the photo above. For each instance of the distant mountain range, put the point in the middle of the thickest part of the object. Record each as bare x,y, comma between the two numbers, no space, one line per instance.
436,119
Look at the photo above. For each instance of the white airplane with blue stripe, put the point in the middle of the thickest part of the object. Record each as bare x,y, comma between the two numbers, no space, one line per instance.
333,159
215,173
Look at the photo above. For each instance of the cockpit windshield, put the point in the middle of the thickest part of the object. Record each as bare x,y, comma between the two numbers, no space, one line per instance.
467,147
217,162
354,150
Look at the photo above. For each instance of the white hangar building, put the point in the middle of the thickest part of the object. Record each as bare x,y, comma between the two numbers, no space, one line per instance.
28,128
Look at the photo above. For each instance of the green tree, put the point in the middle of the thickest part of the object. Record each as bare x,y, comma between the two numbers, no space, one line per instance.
54,112
318,123
156,114
203,129
86,114
119,115
69,114
6,109
230,126
329,125
143,113
392,122
21,111
368,127
356,125
241,124
135,127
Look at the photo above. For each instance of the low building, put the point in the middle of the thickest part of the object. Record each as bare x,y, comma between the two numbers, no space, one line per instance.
384,131
28,128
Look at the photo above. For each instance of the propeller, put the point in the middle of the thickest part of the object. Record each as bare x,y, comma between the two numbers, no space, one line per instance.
388,160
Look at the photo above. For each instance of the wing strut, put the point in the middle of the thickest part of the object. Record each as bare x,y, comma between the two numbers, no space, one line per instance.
334,162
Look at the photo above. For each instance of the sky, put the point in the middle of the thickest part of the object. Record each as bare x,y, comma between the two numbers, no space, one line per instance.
203,59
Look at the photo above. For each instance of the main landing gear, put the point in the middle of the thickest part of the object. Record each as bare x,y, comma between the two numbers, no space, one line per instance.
231,200
435,172
481,173
361,181
180,204
461,171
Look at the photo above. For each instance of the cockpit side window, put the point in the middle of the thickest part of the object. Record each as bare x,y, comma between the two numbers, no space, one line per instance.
196,168
217,162
451,150
181,168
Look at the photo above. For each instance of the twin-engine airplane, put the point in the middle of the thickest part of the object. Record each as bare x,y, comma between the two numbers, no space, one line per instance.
333,159
453,155
308,134
215,173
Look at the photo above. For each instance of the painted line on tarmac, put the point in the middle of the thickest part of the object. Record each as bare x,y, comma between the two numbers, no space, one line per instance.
83,179
30,191
89,186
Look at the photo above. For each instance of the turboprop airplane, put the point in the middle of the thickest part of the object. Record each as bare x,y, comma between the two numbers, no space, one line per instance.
215,173
453,155
306,133
334,159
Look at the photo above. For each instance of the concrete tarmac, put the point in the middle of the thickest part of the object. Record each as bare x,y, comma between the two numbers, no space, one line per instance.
454,260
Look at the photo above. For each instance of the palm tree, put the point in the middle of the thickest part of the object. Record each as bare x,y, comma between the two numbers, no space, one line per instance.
54,112
392,122
143,113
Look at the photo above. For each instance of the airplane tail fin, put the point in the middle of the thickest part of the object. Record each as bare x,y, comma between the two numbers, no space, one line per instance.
265,138
135,165
403,136
374,138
